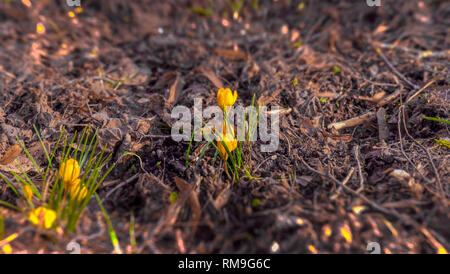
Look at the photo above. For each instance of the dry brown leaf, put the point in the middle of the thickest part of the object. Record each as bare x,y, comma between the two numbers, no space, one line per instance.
211,77
231,54
12,153
25,164
222,199
377,97
174,90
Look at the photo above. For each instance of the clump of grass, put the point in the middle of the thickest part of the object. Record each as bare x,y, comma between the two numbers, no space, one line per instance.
54,196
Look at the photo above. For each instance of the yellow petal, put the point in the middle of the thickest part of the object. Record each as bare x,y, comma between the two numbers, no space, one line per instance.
230,144
78,191
42,217
28,192
69,171
7,249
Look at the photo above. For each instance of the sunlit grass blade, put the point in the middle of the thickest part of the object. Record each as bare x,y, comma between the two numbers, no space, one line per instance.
436,120
132,234
11,206
189,148
30,157
201,155
112,233
9,184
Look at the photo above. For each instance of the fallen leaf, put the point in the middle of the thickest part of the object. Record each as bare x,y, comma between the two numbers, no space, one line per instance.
174,90
12,153
211,77
24,162
231,54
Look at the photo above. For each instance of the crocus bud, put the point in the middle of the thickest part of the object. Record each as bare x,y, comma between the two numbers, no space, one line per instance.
28,192
226,98
69,171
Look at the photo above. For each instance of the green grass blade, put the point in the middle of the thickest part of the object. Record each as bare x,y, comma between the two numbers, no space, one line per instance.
30,157
11,206
436,120
112,233
9,184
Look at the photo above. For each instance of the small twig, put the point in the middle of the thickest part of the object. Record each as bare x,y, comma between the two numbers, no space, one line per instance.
344,182
394,70
389,98
361,178
353,121
420,53
423,88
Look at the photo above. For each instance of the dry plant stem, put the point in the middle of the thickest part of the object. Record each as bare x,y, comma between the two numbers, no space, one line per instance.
422,89
353,121
418,52
361,178
394,70
344,182
389,98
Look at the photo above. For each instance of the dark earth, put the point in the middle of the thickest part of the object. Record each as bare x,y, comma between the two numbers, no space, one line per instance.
121,66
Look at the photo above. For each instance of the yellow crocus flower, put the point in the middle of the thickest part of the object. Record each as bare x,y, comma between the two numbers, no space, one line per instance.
69,171
42,217
226,98
7,249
